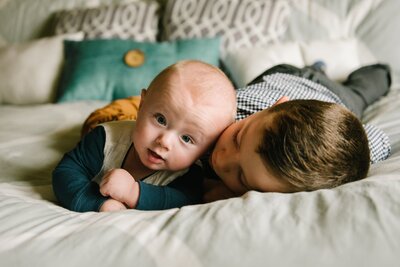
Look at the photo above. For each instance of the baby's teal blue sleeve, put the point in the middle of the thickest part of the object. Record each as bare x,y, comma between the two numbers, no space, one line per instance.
184,190
72,177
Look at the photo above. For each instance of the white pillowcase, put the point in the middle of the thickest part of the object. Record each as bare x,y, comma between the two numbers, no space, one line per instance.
29,71
245,64
341,58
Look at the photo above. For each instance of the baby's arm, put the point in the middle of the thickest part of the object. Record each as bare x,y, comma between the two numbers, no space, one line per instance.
112,205
72,178
120,186
184,190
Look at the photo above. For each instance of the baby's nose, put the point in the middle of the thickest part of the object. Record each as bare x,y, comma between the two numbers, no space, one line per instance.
165,141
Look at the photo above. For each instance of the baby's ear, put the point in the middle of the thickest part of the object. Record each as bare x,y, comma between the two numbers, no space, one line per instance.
142,97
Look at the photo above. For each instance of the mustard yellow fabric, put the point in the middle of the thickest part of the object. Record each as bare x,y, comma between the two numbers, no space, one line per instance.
117,110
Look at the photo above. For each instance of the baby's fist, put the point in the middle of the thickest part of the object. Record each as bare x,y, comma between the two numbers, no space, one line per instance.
112,205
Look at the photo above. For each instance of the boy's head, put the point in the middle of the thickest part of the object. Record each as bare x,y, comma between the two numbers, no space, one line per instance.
184,110
299,145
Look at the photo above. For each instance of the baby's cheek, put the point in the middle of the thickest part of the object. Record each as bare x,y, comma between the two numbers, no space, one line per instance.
143,132
184,159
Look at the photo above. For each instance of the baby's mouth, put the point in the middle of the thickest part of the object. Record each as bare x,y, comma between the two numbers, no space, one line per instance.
154,157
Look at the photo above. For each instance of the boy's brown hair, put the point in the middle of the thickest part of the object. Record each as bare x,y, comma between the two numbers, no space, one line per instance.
314,144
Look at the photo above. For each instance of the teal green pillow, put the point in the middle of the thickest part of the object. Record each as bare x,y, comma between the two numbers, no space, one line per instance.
96,69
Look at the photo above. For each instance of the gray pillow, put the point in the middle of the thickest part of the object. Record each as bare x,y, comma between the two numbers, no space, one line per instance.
242,23
136,20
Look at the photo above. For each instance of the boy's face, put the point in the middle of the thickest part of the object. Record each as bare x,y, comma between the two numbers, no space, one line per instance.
236,161
173,129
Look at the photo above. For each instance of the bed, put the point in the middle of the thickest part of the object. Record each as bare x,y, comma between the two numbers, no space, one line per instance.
356,224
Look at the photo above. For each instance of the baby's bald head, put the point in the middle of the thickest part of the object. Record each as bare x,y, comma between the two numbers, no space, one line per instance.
201,91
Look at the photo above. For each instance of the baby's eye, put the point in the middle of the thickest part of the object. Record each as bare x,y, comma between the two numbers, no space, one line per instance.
187,139
160,119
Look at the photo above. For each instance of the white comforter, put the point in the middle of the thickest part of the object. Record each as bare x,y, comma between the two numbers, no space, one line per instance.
354,225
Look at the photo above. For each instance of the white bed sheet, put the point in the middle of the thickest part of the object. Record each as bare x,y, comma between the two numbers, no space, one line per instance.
353,225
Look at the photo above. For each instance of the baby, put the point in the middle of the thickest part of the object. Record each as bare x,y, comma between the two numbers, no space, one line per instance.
180,117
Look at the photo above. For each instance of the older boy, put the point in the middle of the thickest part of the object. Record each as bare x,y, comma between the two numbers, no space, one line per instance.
179,118
300,145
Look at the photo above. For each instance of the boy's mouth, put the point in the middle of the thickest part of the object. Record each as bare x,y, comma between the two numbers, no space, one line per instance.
210,160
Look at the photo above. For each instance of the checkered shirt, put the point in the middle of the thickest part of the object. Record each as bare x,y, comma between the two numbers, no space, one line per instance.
262,95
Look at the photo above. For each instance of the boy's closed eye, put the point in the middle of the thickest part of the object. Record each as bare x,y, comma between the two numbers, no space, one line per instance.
235,139
242,180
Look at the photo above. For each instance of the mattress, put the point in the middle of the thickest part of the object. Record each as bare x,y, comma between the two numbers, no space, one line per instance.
352,225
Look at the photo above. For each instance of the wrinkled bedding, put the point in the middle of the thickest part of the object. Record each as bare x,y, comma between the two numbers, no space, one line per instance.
352,225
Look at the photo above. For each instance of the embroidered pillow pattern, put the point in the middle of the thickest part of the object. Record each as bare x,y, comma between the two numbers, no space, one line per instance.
243,23
137,21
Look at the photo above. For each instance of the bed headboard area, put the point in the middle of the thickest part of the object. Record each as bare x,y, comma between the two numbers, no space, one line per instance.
251,30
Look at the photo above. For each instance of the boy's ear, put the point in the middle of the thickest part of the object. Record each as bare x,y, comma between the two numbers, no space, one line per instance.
281,100
142,97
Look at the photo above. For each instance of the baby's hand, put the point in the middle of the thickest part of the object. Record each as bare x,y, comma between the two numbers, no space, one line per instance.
112,205
215,190
121,186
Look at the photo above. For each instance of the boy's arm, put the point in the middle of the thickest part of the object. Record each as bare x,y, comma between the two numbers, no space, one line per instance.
216,190
72,177
379,143
184,190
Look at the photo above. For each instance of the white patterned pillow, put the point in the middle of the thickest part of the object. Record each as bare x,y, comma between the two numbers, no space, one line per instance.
136,20
243,23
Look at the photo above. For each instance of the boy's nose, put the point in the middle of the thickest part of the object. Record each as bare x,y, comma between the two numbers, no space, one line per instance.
227,161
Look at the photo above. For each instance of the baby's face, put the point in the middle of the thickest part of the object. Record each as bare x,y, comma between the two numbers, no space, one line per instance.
173,131
236,161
